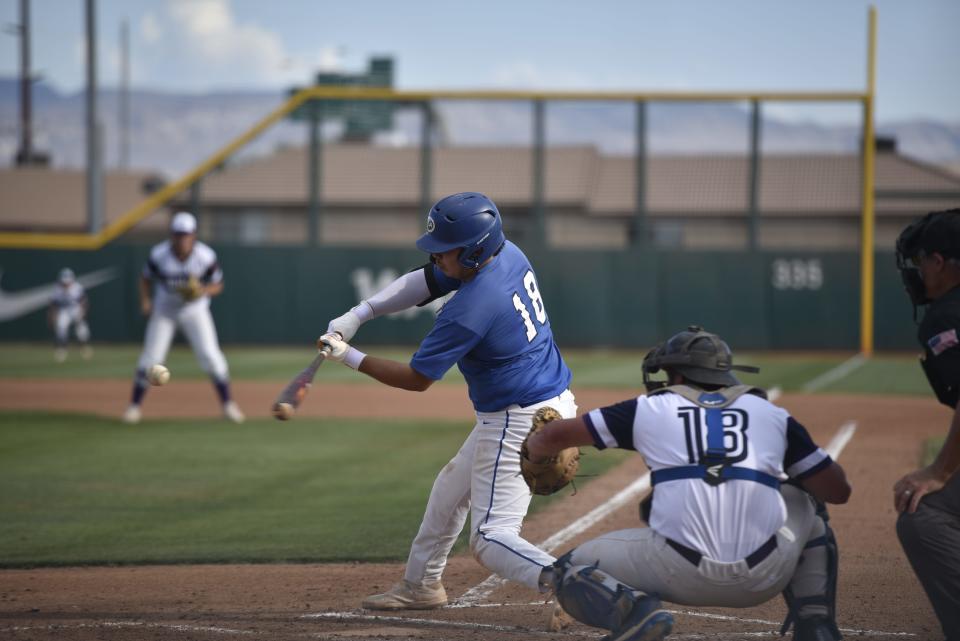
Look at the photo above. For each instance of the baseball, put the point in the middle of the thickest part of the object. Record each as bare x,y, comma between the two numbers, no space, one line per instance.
283,411
158,375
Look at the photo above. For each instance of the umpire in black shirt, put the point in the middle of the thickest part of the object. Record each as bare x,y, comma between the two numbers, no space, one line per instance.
928,500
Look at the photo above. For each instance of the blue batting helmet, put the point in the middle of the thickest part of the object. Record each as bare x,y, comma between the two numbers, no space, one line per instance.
469,221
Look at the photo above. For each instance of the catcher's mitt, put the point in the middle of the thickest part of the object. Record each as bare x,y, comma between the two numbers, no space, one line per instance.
192,290
553,474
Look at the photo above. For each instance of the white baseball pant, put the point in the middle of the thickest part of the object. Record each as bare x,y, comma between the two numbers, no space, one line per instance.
642,559
484,480
196,323
62,320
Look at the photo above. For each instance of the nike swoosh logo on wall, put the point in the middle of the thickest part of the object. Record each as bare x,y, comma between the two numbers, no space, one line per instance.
16,304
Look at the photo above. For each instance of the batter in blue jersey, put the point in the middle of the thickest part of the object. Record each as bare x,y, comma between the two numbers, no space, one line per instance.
496,330
494,327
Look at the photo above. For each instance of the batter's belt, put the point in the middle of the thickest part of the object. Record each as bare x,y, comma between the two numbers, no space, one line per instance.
753,559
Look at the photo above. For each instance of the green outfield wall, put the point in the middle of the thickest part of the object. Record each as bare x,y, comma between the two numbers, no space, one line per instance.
760,300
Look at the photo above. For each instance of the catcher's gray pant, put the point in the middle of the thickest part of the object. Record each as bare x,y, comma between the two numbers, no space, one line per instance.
644,560
197,325
931,539
484,480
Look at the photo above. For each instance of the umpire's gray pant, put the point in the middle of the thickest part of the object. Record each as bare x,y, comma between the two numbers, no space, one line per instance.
931,538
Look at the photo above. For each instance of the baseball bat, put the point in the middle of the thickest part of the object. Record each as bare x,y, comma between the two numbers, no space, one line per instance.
293,394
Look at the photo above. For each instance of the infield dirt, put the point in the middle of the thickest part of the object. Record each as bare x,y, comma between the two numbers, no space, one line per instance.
878,595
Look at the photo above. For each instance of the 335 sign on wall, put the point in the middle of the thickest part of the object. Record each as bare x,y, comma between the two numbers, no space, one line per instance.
796,274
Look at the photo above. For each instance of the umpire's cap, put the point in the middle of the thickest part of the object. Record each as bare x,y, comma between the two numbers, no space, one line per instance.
698,356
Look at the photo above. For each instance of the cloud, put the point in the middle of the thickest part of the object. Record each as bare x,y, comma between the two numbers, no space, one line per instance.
209,44
214,33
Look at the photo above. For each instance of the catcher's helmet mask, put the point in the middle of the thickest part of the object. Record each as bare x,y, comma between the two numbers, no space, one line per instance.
936,233
702,358
468,221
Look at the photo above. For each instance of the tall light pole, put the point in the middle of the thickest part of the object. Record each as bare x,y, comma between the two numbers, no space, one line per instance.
25,153
124,111
94,200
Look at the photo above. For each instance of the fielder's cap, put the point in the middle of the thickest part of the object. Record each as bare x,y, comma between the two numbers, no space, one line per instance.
66,275
183,223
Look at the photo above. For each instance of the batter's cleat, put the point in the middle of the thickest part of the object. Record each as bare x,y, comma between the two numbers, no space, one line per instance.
408,596
131,415
59,355
816,628
647,621
231,412
86,352
559,619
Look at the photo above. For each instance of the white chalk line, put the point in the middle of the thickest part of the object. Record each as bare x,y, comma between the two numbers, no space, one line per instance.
434,623
842,370
463,625
840,439
177,627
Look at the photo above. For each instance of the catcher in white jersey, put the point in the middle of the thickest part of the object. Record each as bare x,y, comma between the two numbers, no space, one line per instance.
736,514
68,307
176,285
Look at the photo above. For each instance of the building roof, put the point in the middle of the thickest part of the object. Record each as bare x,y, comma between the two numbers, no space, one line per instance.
44,199
579,177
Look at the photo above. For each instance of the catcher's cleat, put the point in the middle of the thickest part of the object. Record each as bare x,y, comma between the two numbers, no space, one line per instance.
817,628
647,621
131,415
231,412
408,596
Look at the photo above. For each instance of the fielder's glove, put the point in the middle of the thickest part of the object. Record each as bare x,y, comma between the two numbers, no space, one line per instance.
550,475
192,290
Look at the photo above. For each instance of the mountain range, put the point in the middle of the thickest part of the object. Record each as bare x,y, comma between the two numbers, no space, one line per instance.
171,132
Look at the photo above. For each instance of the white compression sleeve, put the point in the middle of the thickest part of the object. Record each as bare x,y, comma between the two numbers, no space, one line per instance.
401,294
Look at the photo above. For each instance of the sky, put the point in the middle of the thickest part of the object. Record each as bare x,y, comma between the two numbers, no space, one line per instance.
628,45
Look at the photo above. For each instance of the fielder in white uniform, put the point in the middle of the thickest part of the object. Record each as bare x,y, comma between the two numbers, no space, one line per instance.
166,299
734,518
68,307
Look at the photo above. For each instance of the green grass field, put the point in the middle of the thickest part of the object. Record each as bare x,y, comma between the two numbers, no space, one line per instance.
82,490
78,489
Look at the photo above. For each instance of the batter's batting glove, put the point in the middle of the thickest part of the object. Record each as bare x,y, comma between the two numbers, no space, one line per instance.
340,351
348,324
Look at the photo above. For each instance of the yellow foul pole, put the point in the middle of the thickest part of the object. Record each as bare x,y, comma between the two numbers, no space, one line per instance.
867,223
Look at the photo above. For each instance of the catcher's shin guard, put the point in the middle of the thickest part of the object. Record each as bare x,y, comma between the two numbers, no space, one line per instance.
595,598
824,604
